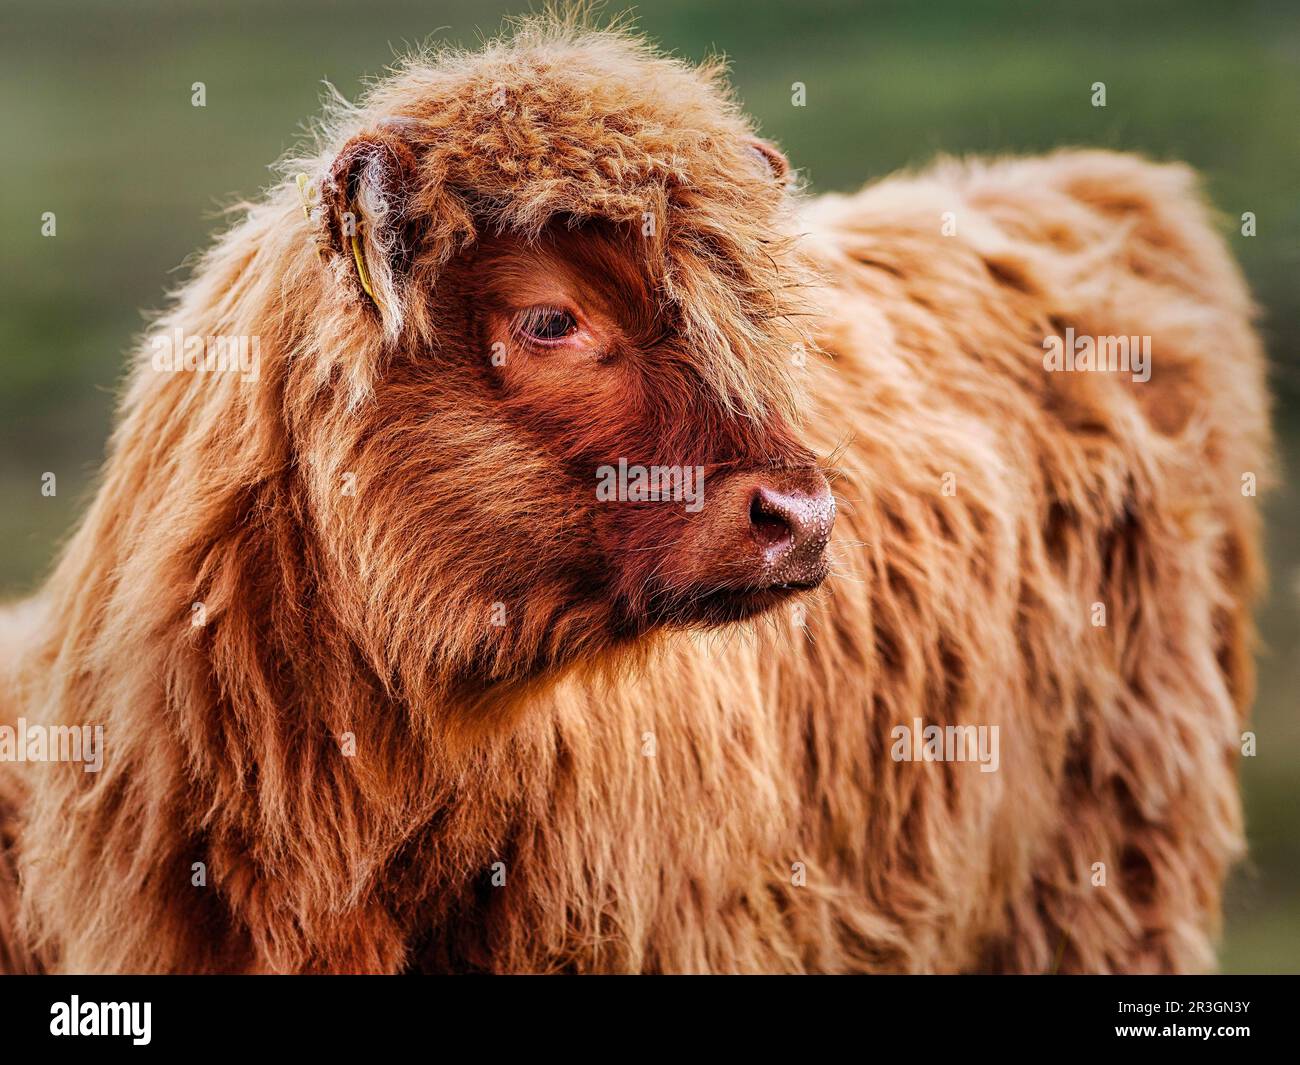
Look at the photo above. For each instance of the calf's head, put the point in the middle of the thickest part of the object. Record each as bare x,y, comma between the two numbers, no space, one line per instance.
564,271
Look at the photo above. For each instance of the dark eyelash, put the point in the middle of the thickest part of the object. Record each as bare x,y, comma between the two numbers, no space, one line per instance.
535,316
529,325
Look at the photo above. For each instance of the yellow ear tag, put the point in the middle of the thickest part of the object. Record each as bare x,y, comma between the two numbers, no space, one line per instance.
307,194
359,257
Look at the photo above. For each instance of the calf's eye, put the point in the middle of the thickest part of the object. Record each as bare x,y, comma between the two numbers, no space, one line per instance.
547,325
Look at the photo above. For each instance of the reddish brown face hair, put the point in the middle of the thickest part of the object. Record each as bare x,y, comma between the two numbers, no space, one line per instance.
570,476
718,514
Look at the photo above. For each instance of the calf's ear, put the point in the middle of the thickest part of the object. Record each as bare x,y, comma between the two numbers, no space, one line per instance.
772,157
364,201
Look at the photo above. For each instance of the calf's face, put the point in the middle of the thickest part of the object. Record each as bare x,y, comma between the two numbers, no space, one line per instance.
695,515
555,473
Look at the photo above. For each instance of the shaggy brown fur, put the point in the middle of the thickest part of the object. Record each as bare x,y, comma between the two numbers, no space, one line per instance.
663,791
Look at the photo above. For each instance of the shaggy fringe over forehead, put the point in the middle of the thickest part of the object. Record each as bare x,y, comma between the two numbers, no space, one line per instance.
560,121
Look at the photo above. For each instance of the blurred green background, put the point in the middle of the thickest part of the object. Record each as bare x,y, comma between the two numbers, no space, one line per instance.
98,127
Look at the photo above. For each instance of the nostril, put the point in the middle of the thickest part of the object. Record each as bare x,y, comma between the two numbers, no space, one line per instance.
789,518
770,525
792,520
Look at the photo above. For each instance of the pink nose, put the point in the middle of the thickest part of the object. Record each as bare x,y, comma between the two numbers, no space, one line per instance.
791,518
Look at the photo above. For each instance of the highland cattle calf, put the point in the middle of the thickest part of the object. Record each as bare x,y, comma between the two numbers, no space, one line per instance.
619,561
